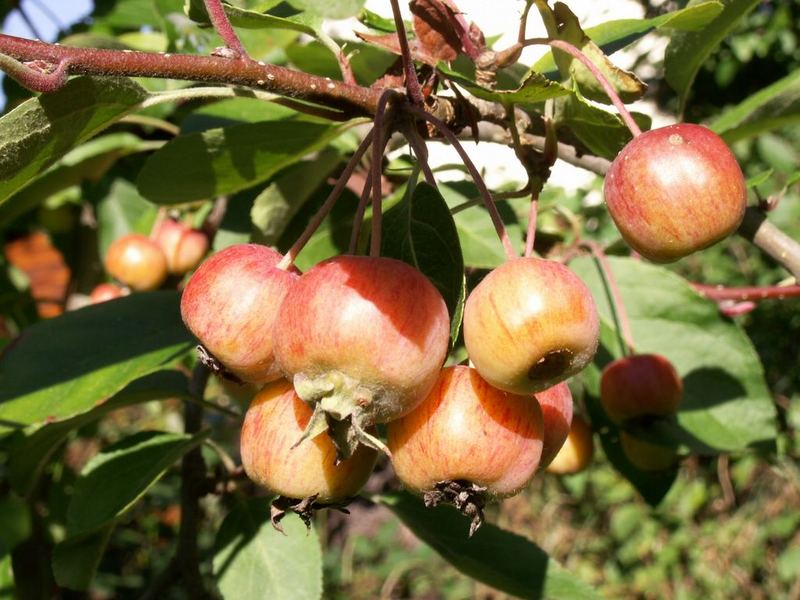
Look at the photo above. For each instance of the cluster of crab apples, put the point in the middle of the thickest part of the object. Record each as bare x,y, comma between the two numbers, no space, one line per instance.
351,354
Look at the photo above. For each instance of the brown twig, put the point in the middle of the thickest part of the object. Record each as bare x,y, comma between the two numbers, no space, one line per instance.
358,217
412,83
223,27
745,294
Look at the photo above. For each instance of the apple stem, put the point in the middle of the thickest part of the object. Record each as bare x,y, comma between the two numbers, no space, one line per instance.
531,236
598,75
358,218
476,177
618,310
327,206
420,151
223,27
378,146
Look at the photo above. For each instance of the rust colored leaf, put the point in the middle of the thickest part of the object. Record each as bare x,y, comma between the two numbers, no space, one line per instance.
390,43
436,28
44,265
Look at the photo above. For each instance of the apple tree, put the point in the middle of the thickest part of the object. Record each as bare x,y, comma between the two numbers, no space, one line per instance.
253,331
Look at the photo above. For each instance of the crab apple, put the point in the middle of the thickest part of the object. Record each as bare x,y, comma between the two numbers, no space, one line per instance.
556,405
183,246
577,451
467,442
647,456
530,324
137,261
230,304
674,190
363,339
640,385
272,458
106,291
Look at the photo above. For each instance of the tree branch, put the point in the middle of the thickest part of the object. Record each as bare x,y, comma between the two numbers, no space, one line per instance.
356,100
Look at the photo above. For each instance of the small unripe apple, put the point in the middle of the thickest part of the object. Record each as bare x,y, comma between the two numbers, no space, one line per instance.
230,304
530,324
183,246
465,429
271,457
647,456
556,405
106,291
137,261
674,190
640,385
362,338
577,451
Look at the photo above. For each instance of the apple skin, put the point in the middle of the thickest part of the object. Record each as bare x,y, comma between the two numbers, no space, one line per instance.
183,246
675,190
273,424
576,453
106,291
556,405
137,261
646,456
530,324
465,429
640,385
362,336
230,304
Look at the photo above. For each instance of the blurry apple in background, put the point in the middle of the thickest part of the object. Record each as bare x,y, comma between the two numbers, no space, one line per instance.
577,451
137,261
183,246
105,292
640,385
675,190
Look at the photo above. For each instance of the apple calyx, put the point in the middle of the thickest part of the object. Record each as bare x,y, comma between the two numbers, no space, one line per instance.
303,508
467,497
342,408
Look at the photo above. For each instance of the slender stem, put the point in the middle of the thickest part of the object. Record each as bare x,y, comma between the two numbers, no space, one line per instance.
193,474
617,303
531,235
327,206
375,172
356,100
420,151
412,83
358,218
476,177
153,122
498,196
224,28
344,63
743,294
523,21
598,75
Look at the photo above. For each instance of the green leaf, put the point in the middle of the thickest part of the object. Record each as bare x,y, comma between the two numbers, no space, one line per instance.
499,558
603,133
534,88
43,129
122,211
276,206
75,560
368,62
218,162
378,23
615,35
480,245
253,560
251,19
15,523
420,231
759,179
726,405
687,51
233,111
32,452
65,366
116,478
332,9
86,162
772,107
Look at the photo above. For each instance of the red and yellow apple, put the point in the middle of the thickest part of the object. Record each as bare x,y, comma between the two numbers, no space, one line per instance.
137,261
640,385
577,451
